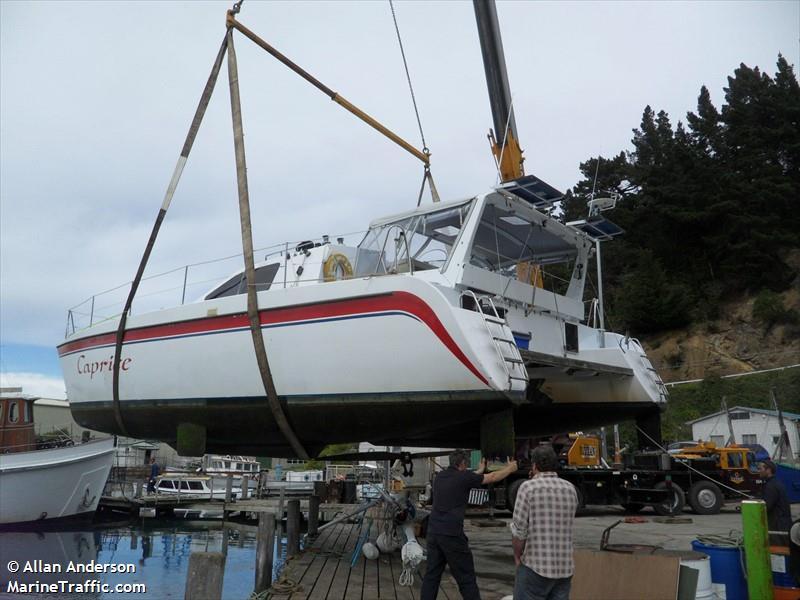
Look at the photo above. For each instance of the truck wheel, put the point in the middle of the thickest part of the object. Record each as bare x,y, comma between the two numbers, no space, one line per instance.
705,498
513,490
581,497
674,503
632,507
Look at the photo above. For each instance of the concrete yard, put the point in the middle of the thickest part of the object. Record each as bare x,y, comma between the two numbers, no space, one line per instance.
494,559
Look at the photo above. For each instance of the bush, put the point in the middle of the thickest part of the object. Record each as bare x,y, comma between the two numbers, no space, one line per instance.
769,309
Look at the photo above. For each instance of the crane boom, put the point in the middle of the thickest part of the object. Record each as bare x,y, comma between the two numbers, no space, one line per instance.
505,146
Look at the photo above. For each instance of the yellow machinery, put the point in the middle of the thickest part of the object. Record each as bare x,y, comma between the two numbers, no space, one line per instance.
584,451
727,457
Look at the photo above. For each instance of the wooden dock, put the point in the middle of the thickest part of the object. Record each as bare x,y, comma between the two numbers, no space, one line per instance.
323,572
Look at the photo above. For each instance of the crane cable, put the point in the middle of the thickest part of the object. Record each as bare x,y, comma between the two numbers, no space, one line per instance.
426,177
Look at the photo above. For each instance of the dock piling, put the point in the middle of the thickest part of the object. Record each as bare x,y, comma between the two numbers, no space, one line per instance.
313,516
265,548
228,489
293,527
204,579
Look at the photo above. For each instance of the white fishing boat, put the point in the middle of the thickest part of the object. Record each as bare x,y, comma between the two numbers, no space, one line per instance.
38,486
444,324
190,486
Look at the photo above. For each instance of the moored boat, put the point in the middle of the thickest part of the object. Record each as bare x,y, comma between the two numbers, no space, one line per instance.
38,486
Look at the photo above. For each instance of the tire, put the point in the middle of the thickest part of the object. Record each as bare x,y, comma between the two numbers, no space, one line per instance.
511,493
581,497
705,498
633,507
674,506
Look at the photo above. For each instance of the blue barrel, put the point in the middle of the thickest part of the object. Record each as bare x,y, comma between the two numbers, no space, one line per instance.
726,569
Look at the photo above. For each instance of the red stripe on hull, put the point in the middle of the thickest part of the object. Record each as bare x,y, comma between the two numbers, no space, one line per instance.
402,301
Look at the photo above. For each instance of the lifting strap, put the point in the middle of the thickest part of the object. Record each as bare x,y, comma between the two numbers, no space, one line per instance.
173,184
247,250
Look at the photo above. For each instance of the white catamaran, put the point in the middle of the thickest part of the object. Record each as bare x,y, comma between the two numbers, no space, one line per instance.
443,327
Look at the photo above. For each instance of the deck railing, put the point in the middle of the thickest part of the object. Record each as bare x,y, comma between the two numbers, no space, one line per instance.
178,286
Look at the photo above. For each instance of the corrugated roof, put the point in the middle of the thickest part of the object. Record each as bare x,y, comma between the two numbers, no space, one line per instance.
761,411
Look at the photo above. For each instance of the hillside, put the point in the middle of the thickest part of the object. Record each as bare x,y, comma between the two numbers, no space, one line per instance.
736,342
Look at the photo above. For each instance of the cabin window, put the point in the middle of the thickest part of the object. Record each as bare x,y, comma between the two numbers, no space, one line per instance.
749,438
13,412
184,485
238,284
735,460
427,238
740,415
166,485
26,409
571,337
505,241
228,465
195,485
2,406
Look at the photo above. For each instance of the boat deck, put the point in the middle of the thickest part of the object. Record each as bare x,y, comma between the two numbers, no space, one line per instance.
323,572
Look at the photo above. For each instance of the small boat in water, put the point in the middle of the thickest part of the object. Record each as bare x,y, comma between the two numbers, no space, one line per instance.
40,483
190,486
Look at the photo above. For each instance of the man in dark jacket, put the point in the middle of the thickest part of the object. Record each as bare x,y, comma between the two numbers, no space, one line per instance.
779,513
447,544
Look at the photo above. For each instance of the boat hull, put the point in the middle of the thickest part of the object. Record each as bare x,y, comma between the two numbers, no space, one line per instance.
389,360
59,483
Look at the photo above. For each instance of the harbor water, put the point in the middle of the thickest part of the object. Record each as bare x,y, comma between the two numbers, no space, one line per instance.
152,553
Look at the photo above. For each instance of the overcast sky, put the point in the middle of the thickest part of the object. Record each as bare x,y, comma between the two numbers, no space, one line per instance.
96,98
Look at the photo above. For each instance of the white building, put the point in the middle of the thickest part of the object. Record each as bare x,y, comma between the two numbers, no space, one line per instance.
750,426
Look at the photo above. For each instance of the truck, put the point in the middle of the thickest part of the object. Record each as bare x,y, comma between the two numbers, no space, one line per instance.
704,475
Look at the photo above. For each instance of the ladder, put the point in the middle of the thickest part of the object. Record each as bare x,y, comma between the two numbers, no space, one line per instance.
654,376
505,346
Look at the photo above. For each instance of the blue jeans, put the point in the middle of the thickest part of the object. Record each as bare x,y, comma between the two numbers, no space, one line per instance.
529,585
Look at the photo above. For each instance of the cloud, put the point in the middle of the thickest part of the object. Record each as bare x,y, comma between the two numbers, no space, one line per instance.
35,384
93,120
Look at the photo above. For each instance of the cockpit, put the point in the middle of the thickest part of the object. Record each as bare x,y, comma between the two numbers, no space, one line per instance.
415,241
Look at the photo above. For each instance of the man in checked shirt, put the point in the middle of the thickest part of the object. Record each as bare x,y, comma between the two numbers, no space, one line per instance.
542,531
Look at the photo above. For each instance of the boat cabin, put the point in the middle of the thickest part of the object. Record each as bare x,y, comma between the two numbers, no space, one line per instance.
173,484
16,421
497,244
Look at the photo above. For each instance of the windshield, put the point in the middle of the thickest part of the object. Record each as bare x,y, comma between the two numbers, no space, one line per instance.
423,240
504,240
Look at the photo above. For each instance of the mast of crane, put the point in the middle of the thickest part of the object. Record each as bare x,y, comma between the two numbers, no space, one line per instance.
503,139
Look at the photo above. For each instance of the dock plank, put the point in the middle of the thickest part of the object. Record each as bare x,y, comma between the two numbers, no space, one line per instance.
323,560
385,580
355,584
369,589
403,592
322,572
341,577
297,568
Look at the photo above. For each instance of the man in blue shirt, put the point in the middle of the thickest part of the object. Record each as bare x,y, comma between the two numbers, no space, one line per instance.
447,544
154,472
